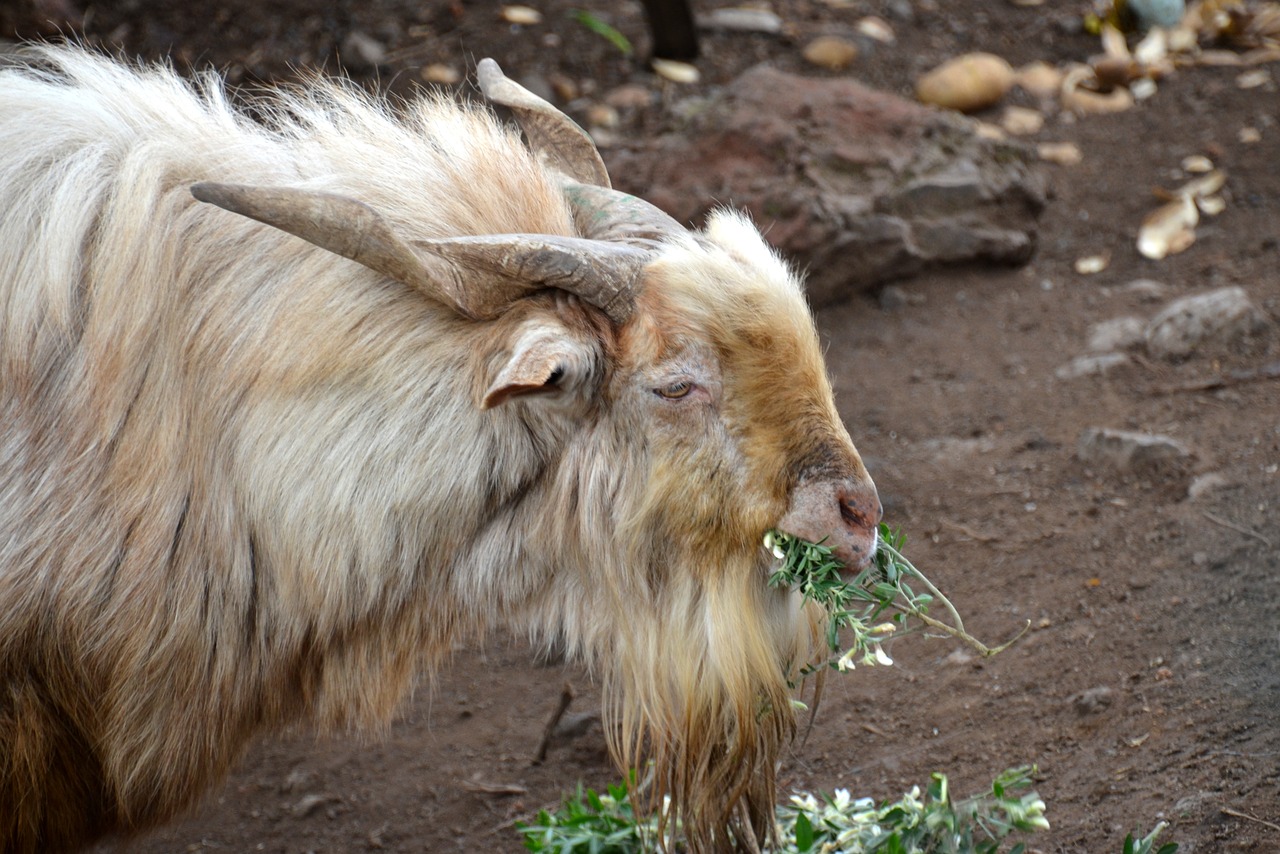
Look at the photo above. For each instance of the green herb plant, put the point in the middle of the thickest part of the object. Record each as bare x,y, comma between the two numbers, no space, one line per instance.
878,604
605,31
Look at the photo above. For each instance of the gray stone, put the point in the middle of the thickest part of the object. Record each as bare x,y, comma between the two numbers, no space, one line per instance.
1119,333
1084,366
858,187
1220,319
1123,452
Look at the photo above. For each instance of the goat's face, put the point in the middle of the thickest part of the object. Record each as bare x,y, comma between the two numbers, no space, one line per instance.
698,425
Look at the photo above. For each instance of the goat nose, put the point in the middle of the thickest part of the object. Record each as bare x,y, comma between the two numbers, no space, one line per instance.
860,507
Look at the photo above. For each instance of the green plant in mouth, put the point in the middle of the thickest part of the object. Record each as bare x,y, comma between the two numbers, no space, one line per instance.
879,603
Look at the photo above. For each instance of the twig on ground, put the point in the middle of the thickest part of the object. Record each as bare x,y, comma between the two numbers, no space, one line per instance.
1245,815
1240,377
1239,529
566,697
969,532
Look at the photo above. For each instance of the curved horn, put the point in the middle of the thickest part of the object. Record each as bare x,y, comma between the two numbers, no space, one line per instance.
477,276
600,212
552,135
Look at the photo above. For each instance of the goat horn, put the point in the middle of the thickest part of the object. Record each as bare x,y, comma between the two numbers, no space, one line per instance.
601,213
552,135
477,276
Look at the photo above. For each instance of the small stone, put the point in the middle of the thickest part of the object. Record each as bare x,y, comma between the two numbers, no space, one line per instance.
830,52
629,96
1125,452
525,16
362,51
1224,317
1061,153
1084,366
1148,290
676,72
1119,333
442,75
1092,701
602,116
1206,483
743,20
1249,135
1039,79
967,83
564,86
1021,121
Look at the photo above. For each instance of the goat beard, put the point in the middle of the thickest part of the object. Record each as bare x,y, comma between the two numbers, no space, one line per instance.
698,694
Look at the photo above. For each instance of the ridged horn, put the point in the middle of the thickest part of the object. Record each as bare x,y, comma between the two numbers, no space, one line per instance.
600,212
480,277
557,139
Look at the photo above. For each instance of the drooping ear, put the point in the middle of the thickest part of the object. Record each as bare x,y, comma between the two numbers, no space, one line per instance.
545,360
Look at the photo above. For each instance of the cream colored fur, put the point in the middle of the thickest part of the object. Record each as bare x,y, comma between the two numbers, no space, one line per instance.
246,483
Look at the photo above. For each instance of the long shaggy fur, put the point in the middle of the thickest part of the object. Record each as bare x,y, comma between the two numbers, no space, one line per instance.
245,483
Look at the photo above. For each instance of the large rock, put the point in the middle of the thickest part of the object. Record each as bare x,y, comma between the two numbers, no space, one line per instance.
1221,319
859,187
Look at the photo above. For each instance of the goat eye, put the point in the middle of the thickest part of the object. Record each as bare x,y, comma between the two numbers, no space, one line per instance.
675,391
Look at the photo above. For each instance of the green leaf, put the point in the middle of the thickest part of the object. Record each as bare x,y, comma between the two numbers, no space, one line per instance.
600,28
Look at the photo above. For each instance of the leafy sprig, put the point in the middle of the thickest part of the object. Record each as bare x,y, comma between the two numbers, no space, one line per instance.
881,590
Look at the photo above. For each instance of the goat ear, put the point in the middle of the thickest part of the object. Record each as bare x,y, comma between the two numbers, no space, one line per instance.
543,362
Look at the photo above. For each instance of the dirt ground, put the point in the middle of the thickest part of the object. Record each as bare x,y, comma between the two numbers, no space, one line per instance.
1148,687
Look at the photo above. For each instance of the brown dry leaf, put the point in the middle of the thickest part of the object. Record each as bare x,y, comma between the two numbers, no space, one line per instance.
1084,101
1169,229
1197,164
1113,43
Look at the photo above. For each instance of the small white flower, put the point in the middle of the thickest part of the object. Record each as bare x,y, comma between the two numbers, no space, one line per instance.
882,657
884,629
845,663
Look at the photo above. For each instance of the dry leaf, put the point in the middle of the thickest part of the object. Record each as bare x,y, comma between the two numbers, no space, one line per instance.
1169,229
1086,101
1197,164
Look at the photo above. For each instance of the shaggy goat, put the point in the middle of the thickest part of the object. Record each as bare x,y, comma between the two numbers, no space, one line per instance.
249,480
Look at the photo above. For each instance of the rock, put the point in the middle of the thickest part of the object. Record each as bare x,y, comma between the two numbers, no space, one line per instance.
860,187
1123,452
362,52
1119,333
1092,701
967,83
742,20
830,52
1148,290
1085,366
1220,319
1206,483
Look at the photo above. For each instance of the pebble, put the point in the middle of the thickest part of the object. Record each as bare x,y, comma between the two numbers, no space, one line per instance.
1123,451
1119,333
1219,318
830,52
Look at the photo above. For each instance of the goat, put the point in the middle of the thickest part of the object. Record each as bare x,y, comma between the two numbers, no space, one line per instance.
290,404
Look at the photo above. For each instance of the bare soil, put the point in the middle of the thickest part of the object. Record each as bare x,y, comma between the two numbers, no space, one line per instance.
1148,686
